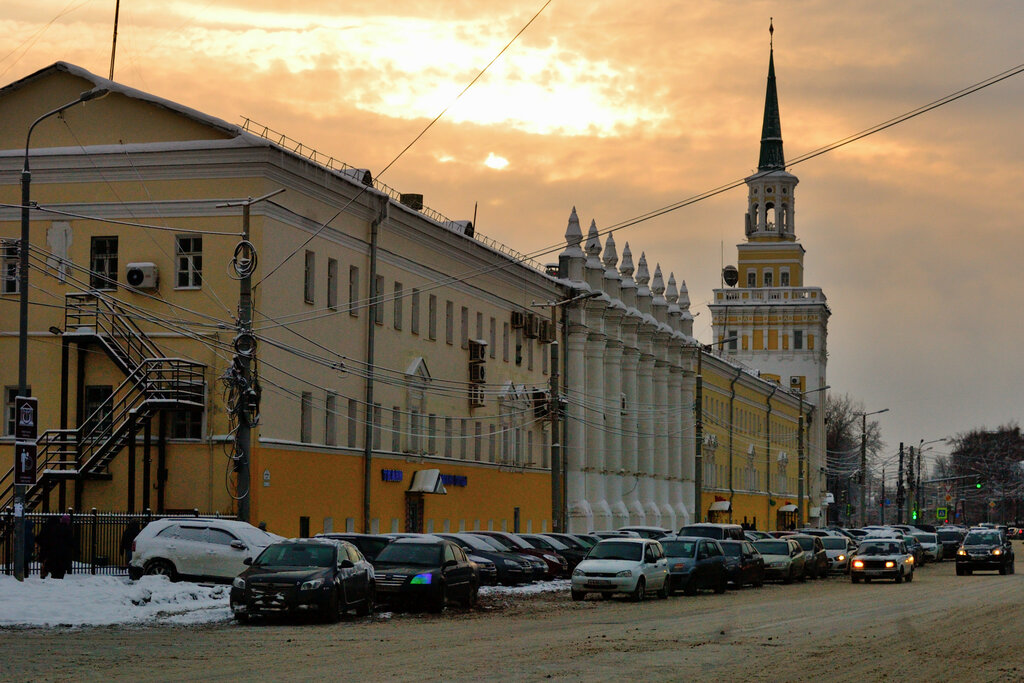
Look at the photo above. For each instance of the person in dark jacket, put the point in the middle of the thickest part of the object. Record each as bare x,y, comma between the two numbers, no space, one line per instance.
128,538
60,551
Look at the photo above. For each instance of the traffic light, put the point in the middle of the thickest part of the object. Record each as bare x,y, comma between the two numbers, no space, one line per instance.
913,515
977,485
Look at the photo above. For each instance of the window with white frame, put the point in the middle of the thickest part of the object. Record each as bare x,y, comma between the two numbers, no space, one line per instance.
332,283
396,429
353,423
414,305
188,256
103,263
492,347
784,278
397,305
353,291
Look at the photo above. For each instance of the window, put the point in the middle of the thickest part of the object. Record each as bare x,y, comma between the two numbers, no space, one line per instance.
309,290
306,417
733,337
10,393
480,325
463,438
353,422
449,322
332,283
331,419
103,263
97,409
798,339
751,278
397,303
519,346
784,279
477,440
432,317
492,445
188,253
353,291
9,269
187,424
414,304
768,278
448,437
378,299
396,429
504,342
464,318
432,434
493,338
414,431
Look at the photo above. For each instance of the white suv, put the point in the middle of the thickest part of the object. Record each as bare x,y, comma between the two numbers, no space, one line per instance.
196,548
622,565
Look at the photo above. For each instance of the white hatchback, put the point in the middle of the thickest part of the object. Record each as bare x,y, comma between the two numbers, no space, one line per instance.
622,565
196,548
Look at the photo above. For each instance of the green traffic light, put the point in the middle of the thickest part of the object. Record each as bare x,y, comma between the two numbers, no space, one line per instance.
978,485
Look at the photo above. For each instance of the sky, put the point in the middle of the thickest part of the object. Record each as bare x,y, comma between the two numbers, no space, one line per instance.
622,108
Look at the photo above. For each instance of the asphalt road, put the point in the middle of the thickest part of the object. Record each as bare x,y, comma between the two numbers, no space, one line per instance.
939,626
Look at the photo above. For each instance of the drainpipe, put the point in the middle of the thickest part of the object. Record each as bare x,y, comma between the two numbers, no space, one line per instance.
732,397
371,329
768,459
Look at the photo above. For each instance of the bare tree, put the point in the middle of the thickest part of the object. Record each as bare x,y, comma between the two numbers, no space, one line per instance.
843,450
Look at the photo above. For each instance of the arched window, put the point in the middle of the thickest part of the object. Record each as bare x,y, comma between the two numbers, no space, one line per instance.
767,278
755,216
769,218
784,225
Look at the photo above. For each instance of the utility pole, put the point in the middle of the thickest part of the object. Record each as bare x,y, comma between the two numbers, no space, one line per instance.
864,459
900,491
910,484
882,521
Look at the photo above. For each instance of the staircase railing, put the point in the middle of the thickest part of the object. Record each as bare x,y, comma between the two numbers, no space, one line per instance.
111,322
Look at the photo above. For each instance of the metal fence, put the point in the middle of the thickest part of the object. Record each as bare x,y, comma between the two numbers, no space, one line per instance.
100,540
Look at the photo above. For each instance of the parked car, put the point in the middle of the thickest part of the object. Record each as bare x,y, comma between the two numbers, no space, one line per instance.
622,565
930,546
755,535
695,563
783,559
311,575
915,548
512,569
198,548
426,571
743,564
586,540
951,538
839,549
540,569
985,549
882,558
486,570
573,556
614,533
719,532
557,565
573,541
369,544
815,557
655,532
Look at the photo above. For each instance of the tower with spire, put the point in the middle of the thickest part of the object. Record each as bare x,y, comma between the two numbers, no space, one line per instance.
774,322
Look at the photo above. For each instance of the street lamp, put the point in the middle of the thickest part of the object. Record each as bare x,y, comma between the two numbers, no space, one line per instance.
558,490
23,246
800,456
698,410
917,487
864,459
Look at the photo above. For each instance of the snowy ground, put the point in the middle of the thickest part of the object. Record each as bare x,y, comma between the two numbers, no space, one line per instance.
85,600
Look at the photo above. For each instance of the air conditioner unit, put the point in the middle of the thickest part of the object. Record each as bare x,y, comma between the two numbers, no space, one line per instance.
518,319
531,330
477,350
477,373
142,275
476,396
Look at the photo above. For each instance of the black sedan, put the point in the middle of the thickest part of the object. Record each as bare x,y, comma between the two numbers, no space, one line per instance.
427,572
743,563
369,544
512,569
304,576
985,549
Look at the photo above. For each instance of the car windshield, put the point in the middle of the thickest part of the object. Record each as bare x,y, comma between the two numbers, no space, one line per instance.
419,554
703,531
571,542
806,542
772,547
950,536
981,538
926,538
732,549
831,543
878,549
679,548
494,543
297,555
473,542
587,541
616,550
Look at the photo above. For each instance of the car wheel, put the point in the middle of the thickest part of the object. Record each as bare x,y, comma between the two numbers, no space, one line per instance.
471,597
723,583
968,571
161,568
789,577
959,571
440,600
640,592
899,577
1002,569
333,609
577,596
910,576
759,581
1012,569
607,596
867,579
803,577
854,579
663,591
365,608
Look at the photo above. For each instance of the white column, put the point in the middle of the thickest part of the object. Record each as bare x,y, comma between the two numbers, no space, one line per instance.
580,515
630,440
675,445
661,441
689,451
595,432
614,480
645,450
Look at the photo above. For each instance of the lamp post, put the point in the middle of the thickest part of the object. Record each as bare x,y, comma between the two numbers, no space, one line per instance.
23,246
917,487
800,457
698,430
558,493
864,459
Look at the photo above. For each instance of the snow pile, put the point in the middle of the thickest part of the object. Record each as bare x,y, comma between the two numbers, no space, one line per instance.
85,600
559,585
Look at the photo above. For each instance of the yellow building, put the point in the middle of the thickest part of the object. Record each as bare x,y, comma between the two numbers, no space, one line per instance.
389,340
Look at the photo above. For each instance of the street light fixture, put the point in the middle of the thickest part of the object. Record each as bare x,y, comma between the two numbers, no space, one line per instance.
23,247
800,456
864,459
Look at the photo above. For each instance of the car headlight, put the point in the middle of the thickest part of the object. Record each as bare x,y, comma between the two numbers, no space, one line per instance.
625,572
889,564
961,551
422,579
578,572
311,585
840,558
239,583
858,564
997,551
910,559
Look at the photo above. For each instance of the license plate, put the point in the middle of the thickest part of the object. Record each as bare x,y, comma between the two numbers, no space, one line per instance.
873,572
598,582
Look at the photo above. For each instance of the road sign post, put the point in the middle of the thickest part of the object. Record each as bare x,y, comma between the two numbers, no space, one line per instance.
26,413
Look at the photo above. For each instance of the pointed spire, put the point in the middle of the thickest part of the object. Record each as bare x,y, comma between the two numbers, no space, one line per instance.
658,283
593,240
573,235
643,276
772,157
627,263
684,296
672,293
611,257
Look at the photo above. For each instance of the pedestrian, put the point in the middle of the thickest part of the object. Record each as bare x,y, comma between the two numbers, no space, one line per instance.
128,540
30,545
61,550
44,540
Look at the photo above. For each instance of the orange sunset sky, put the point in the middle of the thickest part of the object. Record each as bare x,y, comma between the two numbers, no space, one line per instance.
618,108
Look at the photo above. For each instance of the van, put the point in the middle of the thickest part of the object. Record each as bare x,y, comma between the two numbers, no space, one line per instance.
719,532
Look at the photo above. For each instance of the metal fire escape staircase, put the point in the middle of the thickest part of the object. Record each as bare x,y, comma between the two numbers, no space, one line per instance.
152,382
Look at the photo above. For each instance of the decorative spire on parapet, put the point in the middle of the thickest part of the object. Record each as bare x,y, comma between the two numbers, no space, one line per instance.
643,292
594,268
659,305
612,279
672,296
628,283
573,255
686,318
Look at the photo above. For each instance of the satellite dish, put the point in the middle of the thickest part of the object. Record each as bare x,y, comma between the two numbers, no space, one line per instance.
730,275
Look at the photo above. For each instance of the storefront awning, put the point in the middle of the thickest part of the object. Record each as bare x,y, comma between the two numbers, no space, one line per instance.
788,508
719,505
427,481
